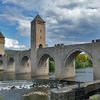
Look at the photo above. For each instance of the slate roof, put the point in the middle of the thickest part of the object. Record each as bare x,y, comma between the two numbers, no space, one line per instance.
38,18
1,35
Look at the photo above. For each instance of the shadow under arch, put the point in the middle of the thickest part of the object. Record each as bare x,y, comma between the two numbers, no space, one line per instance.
48,54
1,63
44,58
11,62
25,61
25,64
46,64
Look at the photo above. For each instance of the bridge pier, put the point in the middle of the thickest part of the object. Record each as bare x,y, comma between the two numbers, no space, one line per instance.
58,67
69,70
96,60
43,70
96,70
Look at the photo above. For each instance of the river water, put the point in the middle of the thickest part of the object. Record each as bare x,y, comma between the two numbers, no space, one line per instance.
24,81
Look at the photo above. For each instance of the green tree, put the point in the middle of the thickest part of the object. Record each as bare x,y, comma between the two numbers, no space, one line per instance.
51,65
83,61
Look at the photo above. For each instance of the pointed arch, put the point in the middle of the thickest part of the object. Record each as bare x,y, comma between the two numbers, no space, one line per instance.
72,55
11,62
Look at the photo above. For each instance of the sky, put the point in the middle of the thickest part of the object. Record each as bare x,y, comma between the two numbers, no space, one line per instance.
67,21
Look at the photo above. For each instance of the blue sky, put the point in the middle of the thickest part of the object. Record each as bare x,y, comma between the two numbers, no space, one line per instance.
67,21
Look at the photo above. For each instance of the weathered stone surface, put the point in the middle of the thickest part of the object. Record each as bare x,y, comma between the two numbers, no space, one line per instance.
62,94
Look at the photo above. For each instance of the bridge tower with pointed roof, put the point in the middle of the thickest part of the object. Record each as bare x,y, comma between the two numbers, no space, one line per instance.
2,44
38,39
38,33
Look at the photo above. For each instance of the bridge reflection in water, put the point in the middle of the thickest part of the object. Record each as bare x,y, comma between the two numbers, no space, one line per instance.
12,76
83,75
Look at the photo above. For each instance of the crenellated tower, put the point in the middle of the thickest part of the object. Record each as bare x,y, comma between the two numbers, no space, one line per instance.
38,33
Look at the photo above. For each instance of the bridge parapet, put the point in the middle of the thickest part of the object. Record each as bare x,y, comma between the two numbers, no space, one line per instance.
59,45
97,40
59,48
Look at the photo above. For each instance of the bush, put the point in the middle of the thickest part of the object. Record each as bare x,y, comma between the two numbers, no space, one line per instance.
83,61
51,66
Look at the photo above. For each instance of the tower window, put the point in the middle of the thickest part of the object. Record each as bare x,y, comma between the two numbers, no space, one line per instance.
40,46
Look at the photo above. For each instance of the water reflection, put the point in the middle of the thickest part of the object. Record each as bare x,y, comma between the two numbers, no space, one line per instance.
81,75
7,76
23,77
84,75
12,76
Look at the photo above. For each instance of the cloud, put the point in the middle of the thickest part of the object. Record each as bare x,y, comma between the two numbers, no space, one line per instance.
14,44
23,26
16,17
67,21
25,4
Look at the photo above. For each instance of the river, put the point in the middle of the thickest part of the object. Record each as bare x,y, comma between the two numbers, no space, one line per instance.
23,82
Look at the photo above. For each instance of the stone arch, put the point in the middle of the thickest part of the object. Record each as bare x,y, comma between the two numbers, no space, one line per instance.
43,63
24,64
11,63
25,61
72,54
1,61
0,56
44,56
69,62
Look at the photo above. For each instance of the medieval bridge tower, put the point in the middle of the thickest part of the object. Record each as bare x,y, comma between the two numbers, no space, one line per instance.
38,33
38,39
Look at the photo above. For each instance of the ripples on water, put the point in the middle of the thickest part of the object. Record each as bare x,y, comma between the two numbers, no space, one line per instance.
23,86
84,75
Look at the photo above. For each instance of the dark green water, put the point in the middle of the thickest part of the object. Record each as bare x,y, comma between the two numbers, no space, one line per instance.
23,81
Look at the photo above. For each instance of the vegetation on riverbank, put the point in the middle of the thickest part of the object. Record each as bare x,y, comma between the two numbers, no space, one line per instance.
51,65
83,61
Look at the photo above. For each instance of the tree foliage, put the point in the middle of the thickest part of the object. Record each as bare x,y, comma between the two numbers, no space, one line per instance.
51,65
82,57
1,62
83,61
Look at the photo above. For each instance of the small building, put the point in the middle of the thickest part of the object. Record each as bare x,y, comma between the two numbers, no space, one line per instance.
2,44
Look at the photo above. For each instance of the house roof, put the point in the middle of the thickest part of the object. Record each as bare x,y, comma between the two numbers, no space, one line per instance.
1,35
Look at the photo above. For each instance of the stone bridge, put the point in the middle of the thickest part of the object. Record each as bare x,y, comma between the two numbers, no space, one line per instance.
64,57
35,60
18,62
